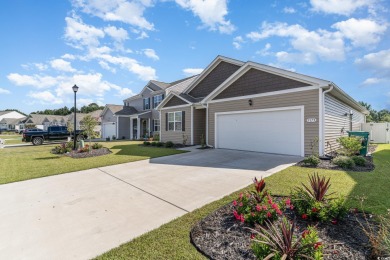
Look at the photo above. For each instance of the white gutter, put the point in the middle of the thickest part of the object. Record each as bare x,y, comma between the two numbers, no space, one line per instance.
321,141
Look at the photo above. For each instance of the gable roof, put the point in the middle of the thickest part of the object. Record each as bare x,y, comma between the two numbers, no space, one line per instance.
112,108
39,119
209,69
126,111
12,121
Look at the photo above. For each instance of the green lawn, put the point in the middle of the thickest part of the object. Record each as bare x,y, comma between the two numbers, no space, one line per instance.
23,163
12,139
171,241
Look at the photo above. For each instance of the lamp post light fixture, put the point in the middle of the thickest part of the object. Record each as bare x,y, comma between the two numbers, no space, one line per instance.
75,88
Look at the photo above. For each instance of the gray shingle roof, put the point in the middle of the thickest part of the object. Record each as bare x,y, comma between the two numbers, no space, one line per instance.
39,119
180,85
114,108
12,121
126,111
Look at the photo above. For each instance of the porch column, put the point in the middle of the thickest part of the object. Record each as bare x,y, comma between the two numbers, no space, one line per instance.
131,128
138,128
149,127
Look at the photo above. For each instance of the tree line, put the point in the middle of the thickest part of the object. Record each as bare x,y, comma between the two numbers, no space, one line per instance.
376,116
64,111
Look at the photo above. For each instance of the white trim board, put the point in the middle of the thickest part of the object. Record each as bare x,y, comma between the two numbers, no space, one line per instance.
301,108
273,93
167,108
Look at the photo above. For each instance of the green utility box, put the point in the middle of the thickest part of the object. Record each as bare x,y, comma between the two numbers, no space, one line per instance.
365,140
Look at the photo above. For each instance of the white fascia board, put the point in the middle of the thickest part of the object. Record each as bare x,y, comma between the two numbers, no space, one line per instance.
160,106
210,68
353,101
180,106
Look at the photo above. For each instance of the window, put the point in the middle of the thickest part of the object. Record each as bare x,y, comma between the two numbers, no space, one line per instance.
175,121
157,100
146,103
156,125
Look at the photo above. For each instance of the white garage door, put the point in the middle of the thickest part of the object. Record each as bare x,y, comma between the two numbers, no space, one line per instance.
276,131
109,130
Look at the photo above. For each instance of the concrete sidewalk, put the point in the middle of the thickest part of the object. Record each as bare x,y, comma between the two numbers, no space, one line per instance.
83,214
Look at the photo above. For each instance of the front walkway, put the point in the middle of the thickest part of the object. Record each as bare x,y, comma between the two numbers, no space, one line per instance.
83,214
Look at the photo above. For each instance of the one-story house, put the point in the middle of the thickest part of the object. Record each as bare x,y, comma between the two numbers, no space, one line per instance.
255,107
43,121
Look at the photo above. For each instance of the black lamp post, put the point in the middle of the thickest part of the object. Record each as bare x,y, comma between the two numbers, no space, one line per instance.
75,88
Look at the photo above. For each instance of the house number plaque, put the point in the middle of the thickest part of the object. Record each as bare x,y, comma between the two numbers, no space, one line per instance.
311,120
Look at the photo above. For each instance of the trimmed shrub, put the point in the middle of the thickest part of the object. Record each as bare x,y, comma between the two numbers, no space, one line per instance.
351,145
359,160
146,143
159,144
312,160
169,144
344,162
153,143
97,146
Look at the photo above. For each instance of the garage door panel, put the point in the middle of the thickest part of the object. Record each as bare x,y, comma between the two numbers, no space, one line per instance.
270,131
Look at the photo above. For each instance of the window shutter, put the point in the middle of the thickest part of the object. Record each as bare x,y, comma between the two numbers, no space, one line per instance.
152,128
183,120
166,121
149,103
144,103
153,102
162,96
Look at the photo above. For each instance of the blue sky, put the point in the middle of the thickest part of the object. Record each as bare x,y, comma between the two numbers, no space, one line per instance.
111,48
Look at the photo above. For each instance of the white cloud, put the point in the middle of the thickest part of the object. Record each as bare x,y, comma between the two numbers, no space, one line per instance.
265,50
125,92
344,7
44,97
118,34
68,56
372,81
211,12
41,66
105,66
378,62
305,58
142,35
192,71
4,91
150,53
62,65
289,10
79,34
237,41
314,44
35,80
362,32
129,12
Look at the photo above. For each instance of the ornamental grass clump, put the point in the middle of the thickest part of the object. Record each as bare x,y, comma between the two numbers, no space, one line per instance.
314,202
279,241
257,206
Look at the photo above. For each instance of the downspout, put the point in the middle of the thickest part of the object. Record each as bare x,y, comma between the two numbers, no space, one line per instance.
322,122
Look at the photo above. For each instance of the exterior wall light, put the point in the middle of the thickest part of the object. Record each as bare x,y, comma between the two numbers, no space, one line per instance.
250,102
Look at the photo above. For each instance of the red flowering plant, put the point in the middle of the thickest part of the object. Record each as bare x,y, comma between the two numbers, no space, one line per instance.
280,240
313,202
257,206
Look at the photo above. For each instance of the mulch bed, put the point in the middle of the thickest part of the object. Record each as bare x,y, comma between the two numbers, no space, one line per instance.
221,236
328,165
93,153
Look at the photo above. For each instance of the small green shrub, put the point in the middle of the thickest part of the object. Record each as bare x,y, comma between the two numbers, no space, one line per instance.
344,162
156,137
62,148
312,160
97,146
113,137
169,144
359,160
160,144
108,139
84,149
351,145
146,143
153,143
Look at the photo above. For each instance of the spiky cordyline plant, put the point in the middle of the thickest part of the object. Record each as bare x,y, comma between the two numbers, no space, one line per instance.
279,237
319,187
260,193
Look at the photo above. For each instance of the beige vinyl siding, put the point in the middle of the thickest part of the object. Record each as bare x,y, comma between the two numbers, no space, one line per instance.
336,124
176,136
308,99
199,124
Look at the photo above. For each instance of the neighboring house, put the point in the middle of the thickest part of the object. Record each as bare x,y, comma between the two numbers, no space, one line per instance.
108,120
9,120
43,121
138,117
80,117
254,107
12,124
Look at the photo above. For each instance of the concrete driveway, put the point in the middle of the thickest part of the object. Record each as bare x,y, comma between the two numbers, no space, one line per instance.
82,214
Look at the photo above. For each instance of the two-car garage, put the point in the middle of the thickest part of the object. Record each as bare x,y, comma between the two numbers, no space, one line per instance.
278,130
